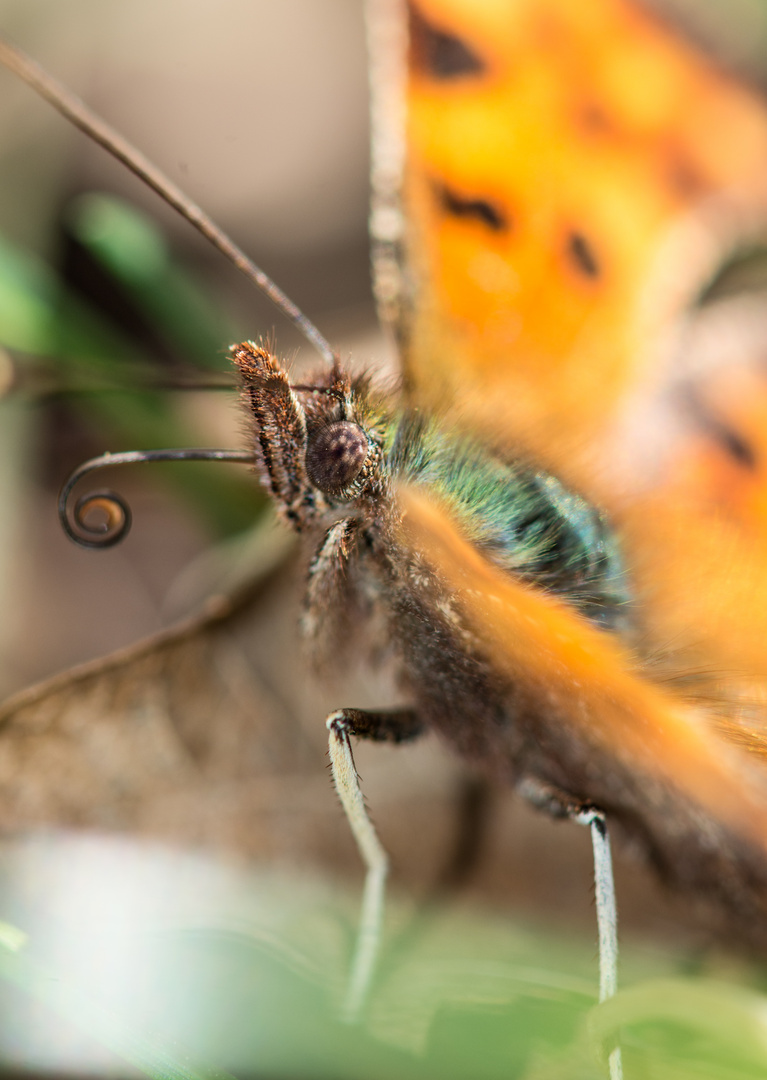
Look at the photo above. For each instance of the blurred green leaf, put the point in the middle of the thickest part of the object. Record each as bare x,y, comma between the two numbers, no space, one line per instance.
173,961
130,248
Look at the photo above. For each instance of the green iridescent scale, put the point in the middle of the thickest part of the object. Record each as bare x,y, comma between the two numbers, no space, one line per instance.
521,518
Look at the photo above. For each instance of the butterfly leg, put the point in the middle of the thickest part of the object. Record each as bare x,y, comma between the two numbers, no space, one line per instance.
560,805
383,727
607,915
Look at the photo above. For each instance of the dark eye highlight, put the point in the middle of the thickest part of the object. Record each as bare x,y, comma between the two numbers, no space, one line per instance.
335,455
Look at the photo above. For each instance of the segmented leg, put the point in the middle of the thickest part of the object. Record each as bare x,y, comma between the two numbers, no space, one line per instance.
607,917
330,600
559,805
383,727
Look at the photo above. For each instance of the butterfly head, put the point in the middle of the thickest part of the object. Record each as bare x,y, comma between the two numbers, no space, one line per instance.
318,445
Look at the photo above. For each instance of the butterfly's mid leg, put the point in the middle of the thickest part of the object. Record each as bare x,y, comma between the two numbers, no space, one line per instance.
607,915
607,910
396,726
559,805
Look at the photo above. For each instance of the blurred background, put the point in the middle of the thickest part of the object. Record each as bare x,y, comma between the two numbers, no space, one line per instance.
260,113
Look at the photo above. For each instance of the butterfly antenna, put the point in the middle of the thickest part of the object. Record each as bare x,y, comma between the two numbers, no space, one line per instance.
102,519
78,113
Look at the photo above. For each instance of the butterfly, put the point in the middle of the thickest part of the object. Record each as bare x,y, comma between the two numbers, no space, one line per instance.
538,308
679,768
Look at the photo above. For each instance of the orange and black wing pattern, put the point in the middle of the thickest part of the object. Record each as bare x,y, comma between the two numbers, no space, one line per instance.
576,176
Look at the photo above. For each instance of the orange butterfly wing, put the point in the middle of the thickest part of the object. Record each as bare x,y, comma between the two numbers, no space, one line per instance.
589,131
575,175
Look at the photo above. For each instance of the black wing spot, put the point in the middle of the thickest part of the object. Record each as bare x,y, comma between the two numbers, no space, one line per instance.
582,255
737,447
461,206
730,440
439,53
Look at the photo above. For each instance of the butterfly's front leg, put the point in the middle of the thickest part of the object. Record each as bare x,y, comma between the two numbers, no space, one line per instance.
279,428
329,622
395,726
326,621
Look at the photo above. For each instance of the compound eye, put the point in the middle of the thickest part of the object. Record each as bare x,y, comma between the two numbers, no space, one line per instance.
335,455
